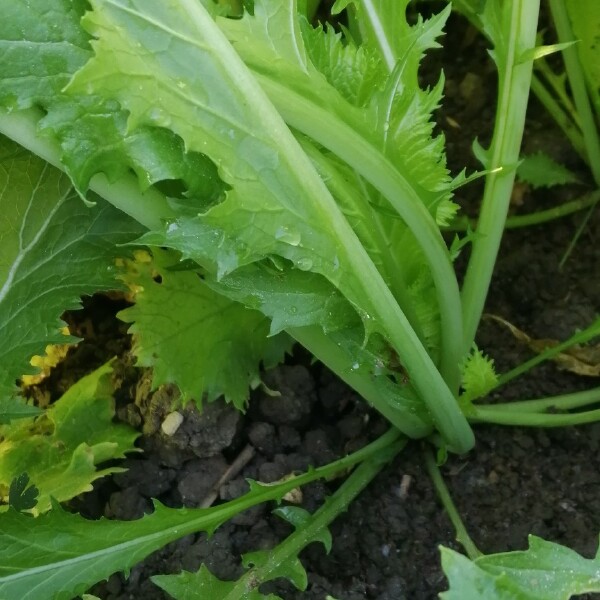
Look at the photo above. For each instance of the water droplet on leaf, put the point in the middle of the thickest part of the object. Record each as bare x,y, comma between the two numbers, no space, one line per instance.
304,264
288,236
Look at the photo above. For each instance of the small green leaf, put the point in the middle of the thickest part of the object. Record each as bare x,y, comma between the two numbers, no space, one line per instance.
478,376
540,170
541,51
203,585
21,495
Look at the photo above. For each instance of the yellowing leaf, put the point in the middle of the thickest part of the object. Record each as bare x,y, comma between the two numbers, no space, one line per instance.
582,360
61,449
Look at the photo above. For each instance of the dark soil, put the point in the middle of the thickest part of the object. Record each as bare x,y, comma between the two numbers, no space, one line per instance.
515,482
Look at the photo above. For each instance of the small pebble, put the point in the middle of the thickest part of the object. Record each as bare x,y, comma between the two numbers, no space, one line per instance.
172,423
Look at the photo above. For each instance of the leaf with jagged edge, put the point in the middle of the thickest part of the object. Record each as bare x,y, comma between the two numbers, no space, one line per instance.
203,585
61,450
54,249
354,71
478,376
541,170
41,46
87,551
276,204
396,118
205,343
545,571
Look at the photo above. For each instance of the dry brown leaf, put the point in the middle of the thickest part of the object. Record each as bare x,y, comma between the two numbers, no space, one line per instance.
582,360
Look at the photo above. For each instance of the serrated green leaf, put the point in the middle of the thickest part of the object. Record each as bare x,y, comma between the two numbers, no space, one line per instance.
546,571
86,551
60,450
54,249
205,343
41,46
478,376
540,170
203,585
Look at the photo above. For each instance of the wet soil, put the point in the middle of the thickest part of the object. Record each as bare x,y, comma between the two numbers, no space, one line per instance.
515,482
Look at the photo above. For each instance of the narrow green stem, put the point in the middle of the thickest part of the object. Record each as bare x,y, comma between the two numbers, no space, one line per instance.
556,84
581,337
540,405
293,544
527,419
535,218
578,87
351,201
443,493
519,29
371,388
562,118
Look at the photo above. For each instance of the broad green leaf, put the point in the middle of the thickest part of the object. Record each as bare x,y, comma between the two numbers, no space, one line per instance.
546,571
53,250
540,170
204,343
277,204
585,20
61,450
41,45
203,584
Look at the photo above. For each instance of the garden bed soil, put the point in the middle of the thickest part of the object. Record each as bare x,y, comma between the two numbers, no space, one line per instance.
515,482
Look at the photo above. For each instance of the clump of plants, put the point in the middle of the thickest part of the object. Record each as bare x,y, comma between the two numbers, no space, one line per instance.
256,179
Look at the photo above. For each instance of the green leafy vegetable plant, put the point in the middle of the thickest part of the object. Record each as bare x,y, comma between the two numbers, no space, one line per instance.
261,180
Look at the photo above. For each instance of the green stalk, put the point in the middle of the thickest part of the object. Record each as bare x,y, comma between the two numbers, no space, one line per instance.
374,167
519,28
294,543
581,337
589,130
540,405
527,419
462,535
346,195
535,218
326,350
560,116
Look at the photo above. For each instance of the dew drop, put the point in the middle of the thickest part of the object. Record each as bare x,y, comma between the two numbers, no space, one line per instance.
160,117
288,236
304,264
